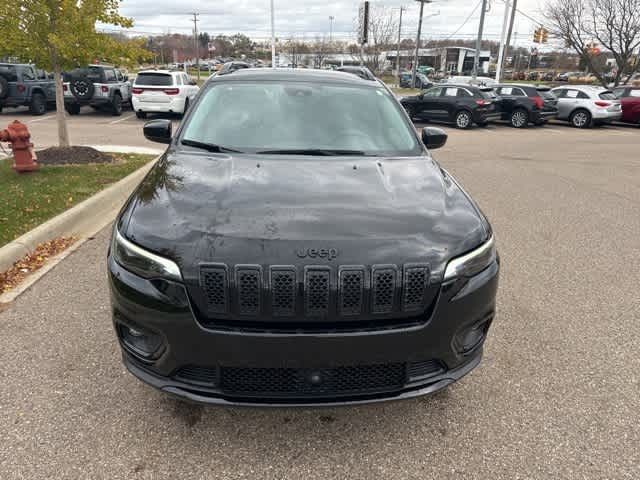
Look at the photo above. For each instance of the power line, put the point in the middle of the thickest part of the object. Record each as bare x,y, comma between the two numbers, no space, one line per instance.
465,21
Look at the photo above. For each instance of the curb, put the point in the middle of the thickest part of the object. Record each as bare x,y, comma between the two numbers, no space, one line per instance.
82,221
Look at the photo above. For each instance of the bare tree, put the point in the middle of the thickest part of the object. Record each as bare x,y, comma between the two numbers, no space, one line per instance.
383,28
613,24
320,49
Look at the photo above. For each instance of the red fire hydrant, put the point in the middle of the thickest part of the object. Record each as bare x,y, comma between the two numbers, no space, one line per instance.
24,157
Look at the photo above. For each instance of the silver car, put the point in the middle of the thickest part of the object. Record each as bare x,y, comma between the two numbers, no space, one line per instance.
587,105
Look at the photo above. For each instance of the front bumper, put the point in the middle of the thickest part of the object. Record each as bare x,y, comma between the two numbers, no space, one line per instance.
163,308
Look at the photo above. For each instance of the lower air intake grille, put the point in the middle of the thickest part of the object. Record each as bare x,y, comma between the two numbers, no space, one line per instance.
423,369
198,375
304,382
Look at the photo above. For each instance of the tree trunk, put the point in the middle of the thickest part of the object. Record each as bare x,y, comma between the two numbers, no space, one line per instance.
61,119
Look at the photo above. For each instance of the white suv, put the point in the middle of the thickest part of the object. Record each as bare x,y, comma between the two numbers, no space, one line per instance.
162,91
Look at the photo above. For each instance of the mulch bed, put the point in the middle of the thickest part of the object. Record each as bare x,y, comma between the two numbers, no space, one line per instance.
32,262
72,155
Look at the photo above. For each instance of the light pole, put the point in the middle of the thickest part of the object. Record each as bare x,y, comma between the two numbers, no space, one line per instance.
415,56
505,19
331,19
273,38
399,40
476,60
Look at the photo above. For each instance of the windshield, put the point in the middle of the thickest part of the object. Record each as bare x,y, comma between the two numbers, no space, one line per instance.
255,117
157,79
607,96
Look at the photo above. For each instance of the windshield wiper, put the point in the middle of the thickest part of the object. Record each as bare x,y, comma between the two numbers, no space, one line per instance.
210,147
324,152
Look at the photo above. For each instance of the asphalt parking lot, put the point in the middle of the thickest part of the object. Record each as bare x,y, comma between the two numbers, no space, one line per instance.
556,397
89,128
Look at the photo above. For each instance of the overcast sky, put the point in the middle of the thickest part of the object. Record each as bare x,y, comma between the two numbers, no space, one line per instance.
310,18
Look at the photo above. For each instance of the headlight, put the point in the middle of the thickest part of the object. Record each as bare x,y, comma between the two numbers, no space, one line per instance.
141,262
473,262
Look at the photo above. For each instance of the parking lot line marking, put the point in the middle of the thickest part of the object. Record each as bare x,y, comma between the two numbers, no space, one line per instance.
121,119
41,119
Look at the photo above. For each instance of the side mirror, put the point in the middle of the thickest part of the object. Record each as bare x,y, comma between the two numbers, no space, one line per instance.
126,78
158,131
433,137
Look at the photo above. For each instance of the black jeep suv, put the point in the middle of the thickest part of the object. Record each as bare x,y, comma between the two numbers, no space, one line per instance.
297,244
462,105
26,85
524,104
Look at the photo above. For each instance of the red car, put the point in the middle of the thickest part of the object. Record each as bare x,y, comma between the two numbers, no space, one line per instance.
630,98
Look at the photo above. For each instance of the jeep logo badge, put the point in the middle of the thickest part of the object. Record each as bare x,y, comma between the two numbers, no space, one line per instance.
328,253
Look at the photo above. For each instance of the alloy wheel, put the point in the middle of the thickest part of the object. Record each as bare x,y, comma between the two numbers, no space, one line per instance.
462,120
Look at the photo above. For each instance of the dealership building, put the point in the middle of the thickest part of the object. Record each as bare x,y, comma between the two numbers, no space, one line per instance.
444,59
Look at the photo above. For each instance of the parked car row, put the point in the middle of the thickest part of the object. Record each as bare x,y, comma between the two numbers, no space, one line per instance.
102,87
582,106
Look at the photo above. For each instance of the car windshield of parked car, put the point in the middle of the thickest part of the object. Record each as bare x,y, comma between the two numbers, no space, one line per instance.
156,79
607,96
295,116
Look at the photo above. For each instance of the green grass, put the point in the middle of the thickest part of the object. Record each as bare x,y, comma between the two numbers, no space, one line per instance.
29,199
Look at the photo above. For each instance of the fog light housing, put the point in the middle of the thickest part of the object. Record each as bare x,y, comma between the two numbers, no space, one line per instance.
471,337
142,343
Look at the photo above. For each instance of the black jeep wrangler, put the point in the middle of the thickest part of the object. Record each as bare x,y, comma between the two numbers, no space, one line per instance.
26,85
103,87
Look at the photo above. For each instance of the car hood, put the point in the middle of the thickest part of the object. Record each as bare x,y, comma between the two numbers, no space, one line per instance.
196,208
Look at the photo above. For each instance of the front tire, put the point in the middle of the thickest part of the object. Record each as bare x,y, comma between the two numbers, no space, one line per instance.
580,119
38,104
141,115
116,105
519,118
463,119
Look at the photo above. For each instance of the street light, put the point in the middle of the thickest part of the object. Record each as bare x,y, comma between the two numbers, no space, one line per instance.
331,19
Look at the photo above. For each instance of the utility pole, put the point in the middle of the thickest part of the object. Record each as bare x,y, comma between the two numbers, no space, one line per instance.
273,38
511,22
505,19
331,19
197,43
415,56
476,60
399,34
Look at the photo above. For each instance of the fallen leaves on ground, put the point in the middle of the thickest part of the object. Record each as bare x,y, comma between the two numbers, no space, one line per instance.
32,262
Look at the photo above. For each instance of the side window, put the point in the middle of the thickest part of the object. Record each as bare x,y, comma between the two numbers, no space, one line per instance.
433,92
451,92
177,79
185,79
582,95
634,93
119,76
28,74
618,92
109,75
571,94
518,92
559,93
506,91
464,93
